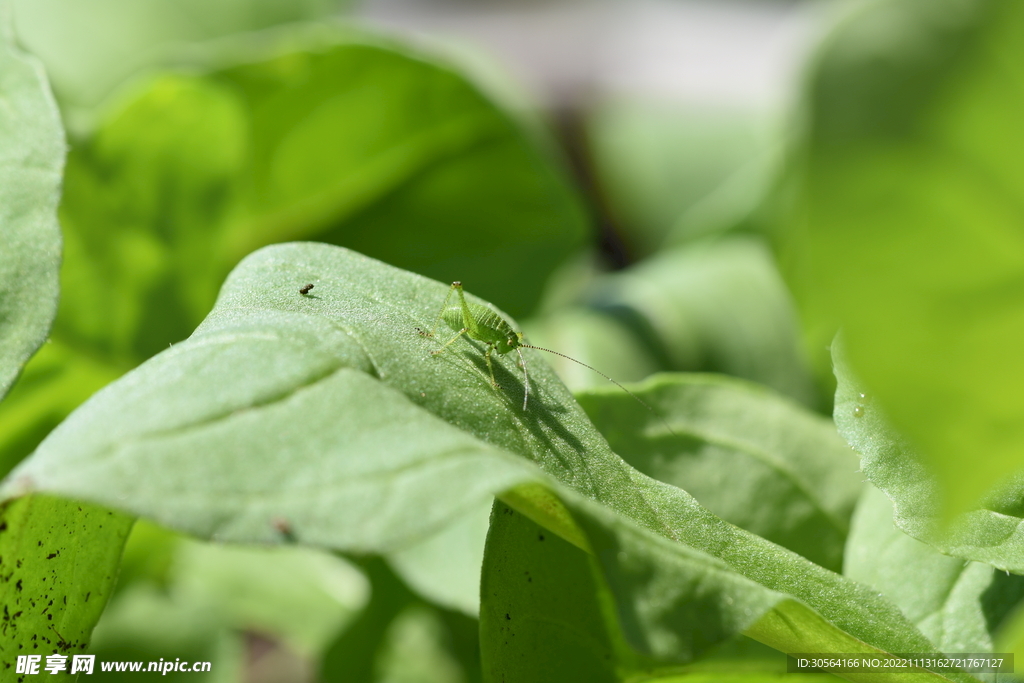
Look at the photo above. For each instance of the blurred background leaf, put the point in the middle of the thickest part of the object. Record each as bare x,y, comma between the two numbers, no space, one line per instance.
89,49
717,305
904,225
250,611
661,165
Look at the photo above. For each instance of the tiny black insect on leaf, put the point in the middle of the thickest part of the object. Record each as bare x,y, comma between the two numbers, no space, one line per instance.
305,289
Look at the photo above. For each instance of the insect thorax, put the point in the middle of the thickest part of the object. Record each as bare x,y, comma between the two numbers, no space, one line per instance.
484,325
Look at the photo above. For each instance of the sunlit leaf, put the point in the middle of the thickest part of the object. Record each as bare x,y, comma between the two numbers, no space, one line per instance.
905,226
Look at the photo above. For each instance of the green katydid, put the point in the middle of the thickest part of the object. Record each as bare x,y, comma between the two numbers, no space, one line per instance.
485,325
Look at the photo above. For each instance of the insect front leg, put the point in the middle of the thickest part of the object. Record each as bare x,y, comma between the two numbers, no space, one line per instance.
455,285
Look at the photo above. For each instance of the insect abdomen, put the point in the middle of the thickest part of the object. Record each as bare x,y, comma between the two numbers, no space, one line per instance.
491,327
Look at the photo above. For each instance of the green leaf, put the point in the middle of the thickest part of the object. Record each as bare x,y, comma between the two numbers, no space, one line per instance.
659,162
714,306
325,419
31,161
540,616
752,457
992,533
670,596
905,227
958,605
313,365
89,49
58,566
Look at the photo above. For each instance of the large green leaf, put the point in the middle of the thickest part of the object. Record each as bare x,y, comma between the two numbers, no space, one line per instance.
905,227
31,160
325,419
992,532
752,457
958,605
58,565
321,134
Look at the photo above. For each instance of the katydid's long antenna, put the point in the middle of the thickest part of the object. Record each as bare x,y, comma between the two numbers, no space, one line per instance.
589,367
526,378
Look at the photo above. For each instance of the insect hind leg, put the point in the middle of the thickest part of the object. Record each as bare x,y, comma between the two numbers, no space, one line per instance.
490,366
451,341
526,379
